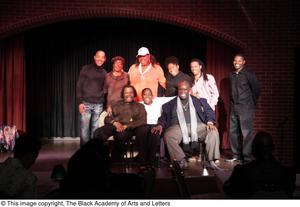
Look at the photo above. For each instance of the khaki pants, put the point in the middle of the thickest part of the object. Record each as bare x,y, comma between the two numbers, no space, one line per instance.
173,138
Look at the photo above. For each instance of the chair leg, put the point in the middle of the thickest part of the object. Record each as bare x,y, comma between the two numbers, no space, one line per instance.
129,145
202,152
128,157
160,153
162,149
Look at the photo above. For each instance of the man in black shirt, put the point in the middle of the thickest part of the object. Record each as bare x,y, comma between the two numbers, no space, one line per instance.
244,95
126,120
174,76
90,96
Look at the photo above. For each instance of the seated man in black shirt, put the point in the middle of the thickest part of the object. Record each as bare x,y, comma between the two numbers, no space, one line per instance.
126,120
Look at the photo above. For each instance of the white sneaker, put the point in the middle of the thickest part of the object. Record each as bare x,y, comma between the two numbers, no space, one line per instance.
192,159
233,160
213,166
217,162
199,159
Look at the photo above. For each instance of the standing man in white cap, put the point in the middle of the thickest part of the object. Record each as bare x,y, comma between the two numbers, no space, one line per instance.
145,74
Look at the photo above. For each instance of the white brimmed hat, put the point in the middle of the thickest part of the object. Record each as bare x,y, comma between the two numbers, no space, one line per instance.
143,51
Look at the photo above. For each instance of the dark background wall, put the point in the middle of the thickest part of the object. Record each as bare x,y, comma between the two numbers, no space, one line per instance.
266,30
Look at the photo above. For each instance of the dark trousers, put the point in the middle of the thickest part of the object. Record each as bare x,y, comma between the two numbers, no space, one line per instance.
241,134
120,138
151,144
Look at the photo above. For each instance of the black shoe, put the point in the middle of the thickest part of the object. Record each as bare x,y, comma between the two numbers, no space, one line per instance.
243,162
164,162
139,159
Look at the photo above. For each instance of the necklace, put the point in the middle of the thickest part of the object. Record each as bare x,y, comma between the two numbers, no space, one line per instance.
145,71
185,106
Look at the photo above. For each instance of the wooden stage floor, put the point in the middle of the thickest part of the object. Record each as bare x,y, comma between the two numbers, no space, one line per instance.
55,152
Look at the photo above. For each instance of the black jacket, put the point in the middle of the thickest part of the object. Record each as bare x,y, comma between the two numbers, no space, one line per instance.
204,111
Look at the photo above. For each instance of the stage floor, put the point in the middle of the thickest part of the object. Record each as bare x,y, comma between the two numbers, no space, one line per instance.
56,152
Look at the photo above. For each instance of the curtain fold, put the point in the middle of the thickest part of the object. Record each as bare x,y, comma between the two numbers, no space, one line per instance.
219,59
12,83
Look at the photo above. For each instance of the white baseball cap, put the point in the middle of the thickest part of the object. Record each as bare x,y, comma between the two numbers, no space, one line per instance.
143,51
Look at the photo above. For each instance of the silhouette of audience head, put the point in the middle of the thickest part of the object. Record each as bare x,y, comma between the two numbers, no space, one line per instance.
26,150
262,145
16,181
264,177
92,159
87,172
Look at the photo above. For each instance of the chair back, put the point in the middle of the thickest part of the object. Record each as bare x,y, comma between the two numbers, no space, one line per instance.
102,117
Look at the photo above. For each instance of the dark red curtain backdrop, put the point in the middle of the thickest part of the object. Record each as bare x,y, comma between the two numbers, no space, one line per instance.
12,83
219,59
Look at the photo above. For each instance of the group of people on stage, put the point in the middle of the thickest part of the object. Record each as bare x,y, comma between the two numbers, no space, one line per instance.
186,112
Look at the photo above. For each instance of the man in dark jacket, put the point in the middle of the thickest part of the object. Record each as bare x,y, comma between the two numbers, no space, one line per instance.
244,95
188,119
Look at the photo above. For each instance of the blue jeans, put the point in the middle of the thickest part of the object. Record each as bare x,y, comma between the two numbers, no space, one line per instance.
89,121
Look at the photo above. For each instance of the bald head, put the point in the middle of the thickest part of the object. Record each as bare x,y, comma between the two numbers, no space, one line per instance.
184,89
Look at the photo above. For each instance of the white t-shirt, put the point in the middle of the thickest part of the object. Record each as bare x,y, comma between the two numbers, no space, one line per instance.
154,110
